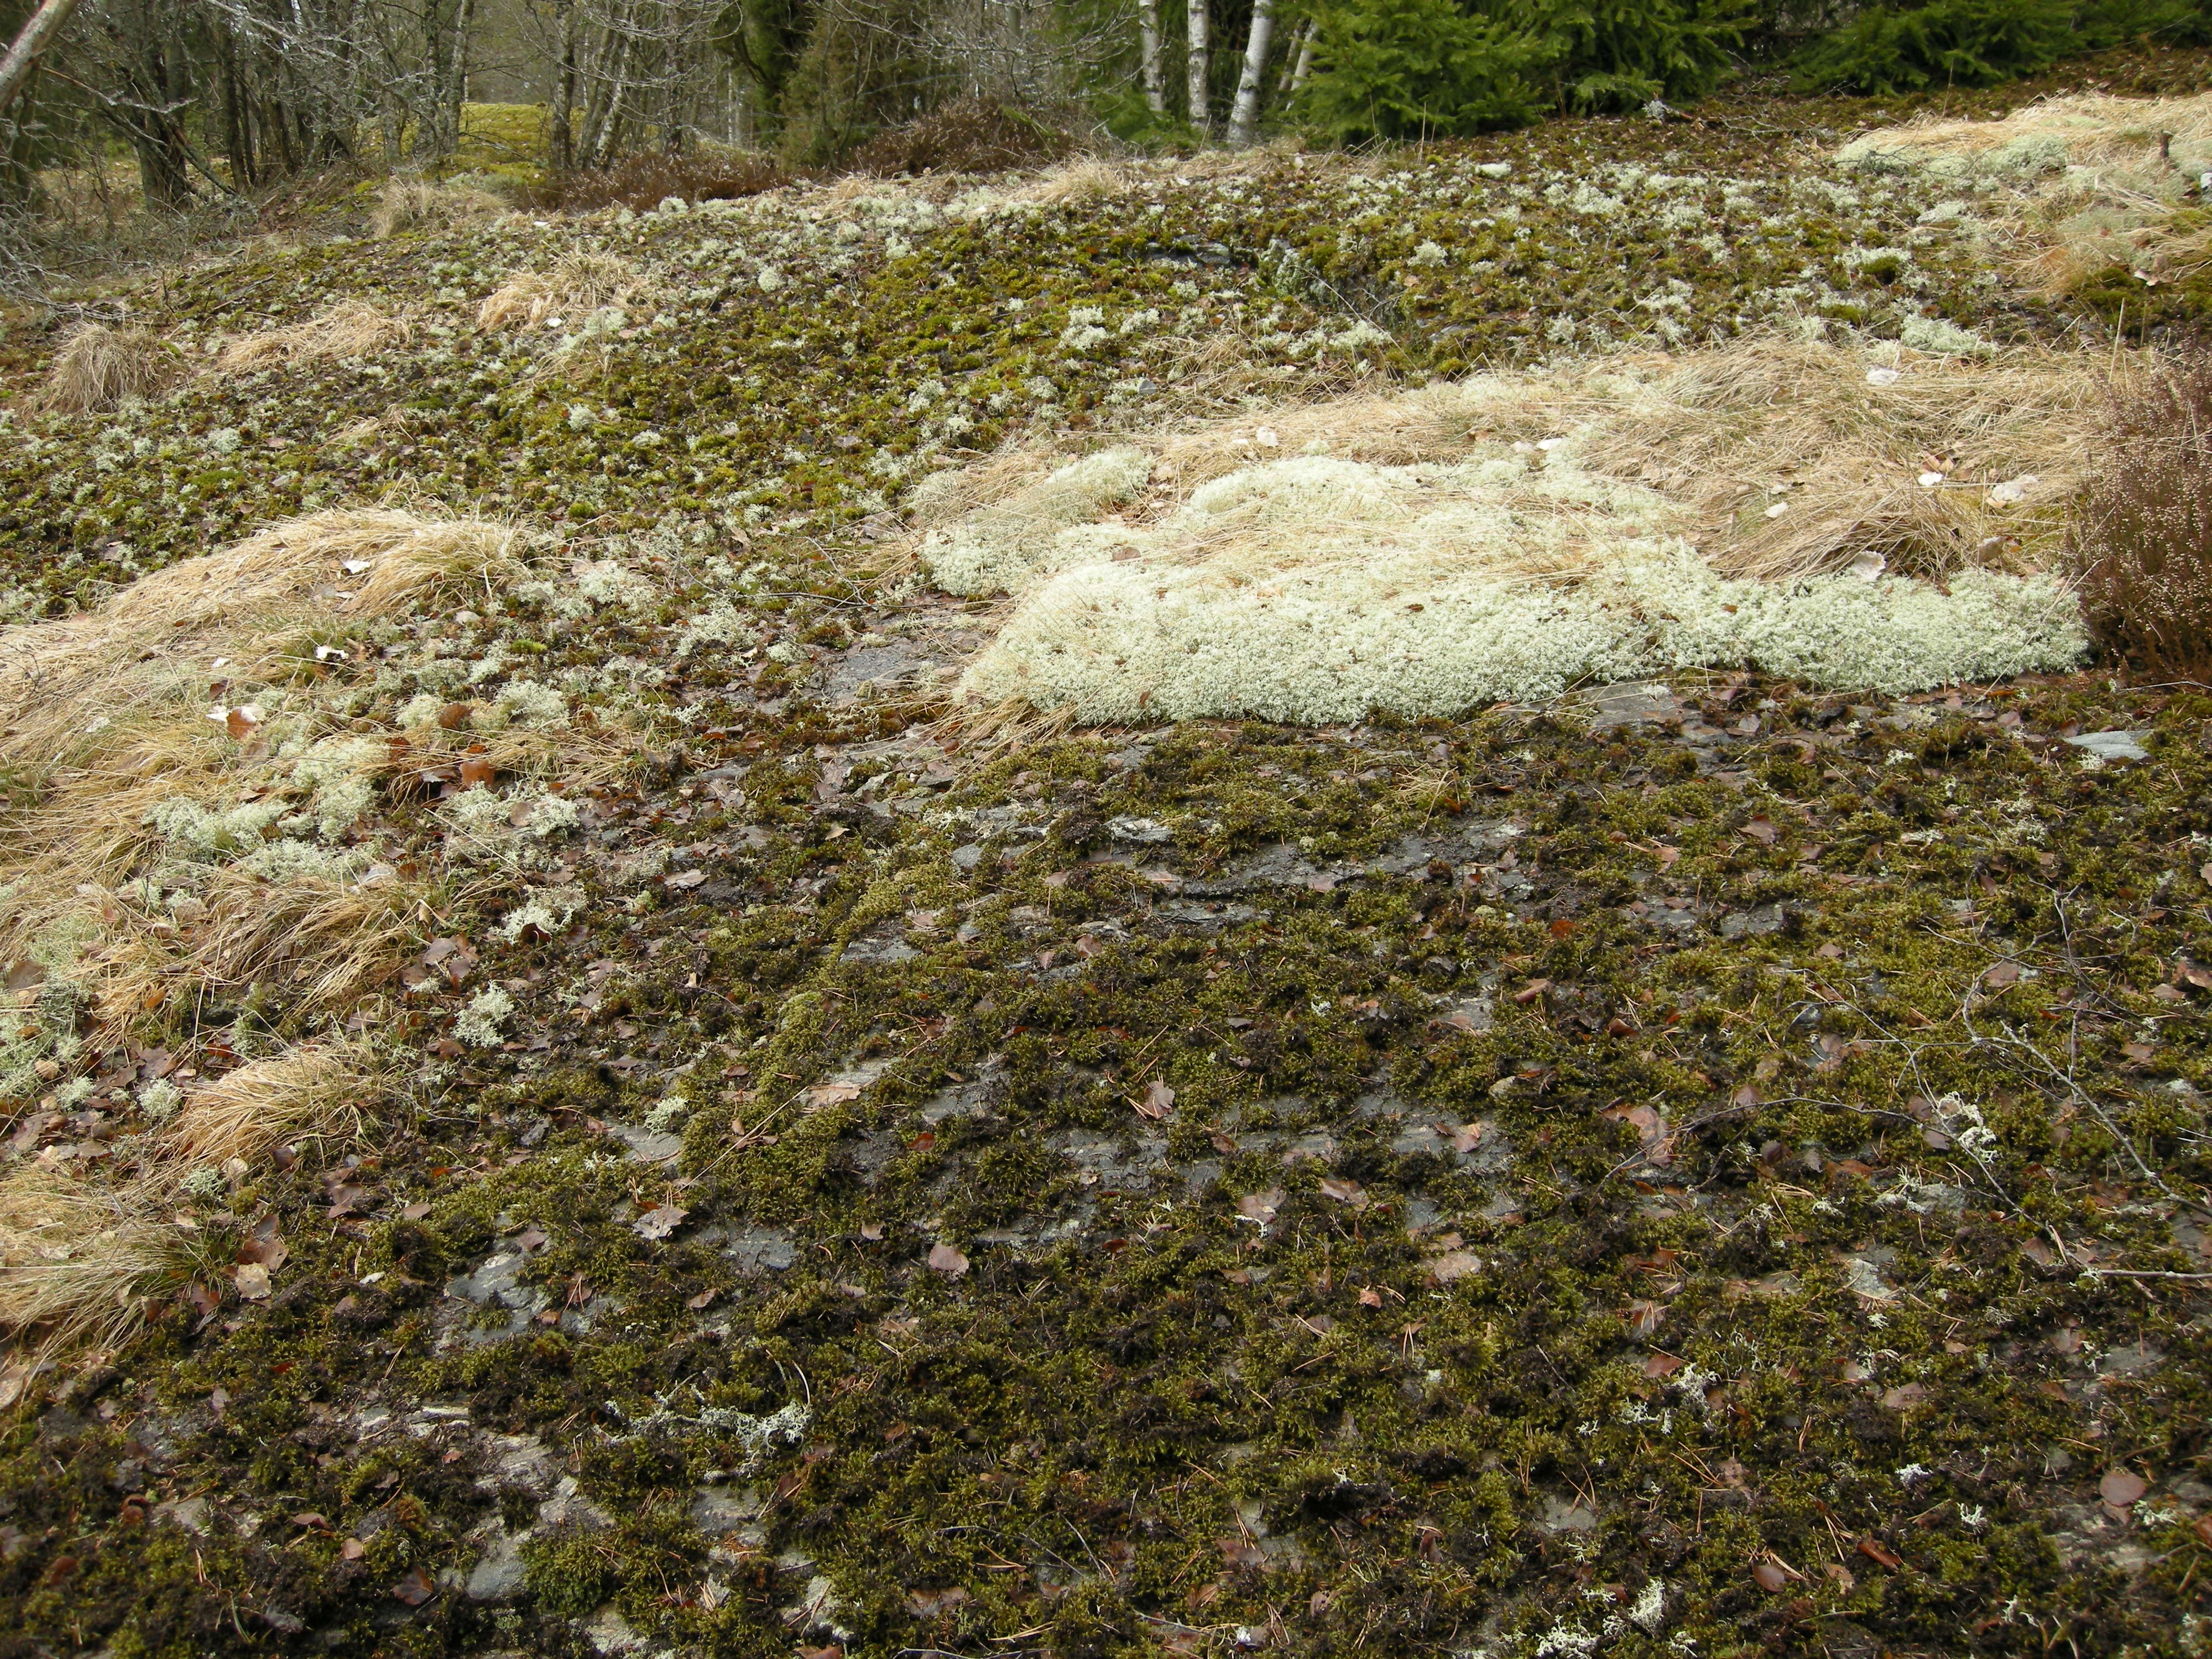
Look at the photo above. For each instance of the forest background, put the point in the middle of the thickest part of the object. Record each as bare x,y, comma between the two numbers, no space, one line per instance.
198,105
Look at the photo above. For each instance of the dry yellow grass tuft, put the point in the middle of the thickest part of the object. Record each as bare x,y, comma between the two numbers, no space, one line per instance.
578,284
1082,179
2134,141
2094,181
348,329
1770,501
354,562
319,1089
1933,463
1838,438
405,205
79,1254
100,366
106,718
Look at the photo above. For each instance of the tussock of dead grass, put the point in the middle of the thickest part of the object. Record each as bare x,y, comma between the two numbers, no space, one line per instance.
328,940
1502,536
266,586
78,1253
1720,430
106,715
348,328
100,366
1085,179
405,205
2099,179
315,1089
76,1257
2138,139
578,284
1716,432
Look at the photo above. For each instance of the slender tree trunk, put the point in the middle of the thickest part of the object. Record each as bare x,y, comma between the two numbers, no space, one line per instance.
30,40
561,127
1198,66
237,132
457,78
1294,74
1148,47
1244,117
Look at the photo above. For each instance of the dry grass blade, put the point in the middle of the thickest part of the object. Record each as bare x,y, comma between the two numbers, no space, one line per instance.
316,1089
578,284
107,723
348,329
100,366
405,205
78,1256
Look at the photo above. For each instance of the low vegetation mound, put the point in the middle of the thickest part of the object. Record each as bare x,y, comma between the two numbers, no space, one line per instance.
1849,518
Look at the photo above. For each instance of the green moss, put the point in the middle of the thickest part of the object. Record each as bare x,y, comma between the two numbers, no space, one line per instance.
1677,1073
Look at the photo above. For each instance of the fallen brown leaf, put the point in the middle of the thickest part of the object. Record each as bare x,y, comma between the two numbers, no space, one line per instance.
947,1258
2122,1488
1452,1265
1260,1207
1880,1553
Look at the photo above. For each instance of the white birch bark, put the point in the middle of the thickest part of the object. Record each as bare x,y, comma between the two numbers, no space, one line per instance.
1244,117
1199,62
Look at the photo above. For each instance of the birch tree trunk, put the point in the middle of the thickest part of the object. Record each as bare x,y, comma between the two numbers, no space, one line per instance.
1294,75
457,78
1244,117
30,40
1148,47
1198,66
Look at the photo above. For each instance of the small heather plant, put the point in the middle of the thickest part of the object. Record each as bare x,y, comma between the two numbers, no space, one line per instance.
2140,546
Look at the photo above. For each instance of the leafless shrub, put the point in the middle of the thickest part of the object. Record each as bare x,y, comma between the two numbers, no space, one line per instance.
971,136
2140,544
644,181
